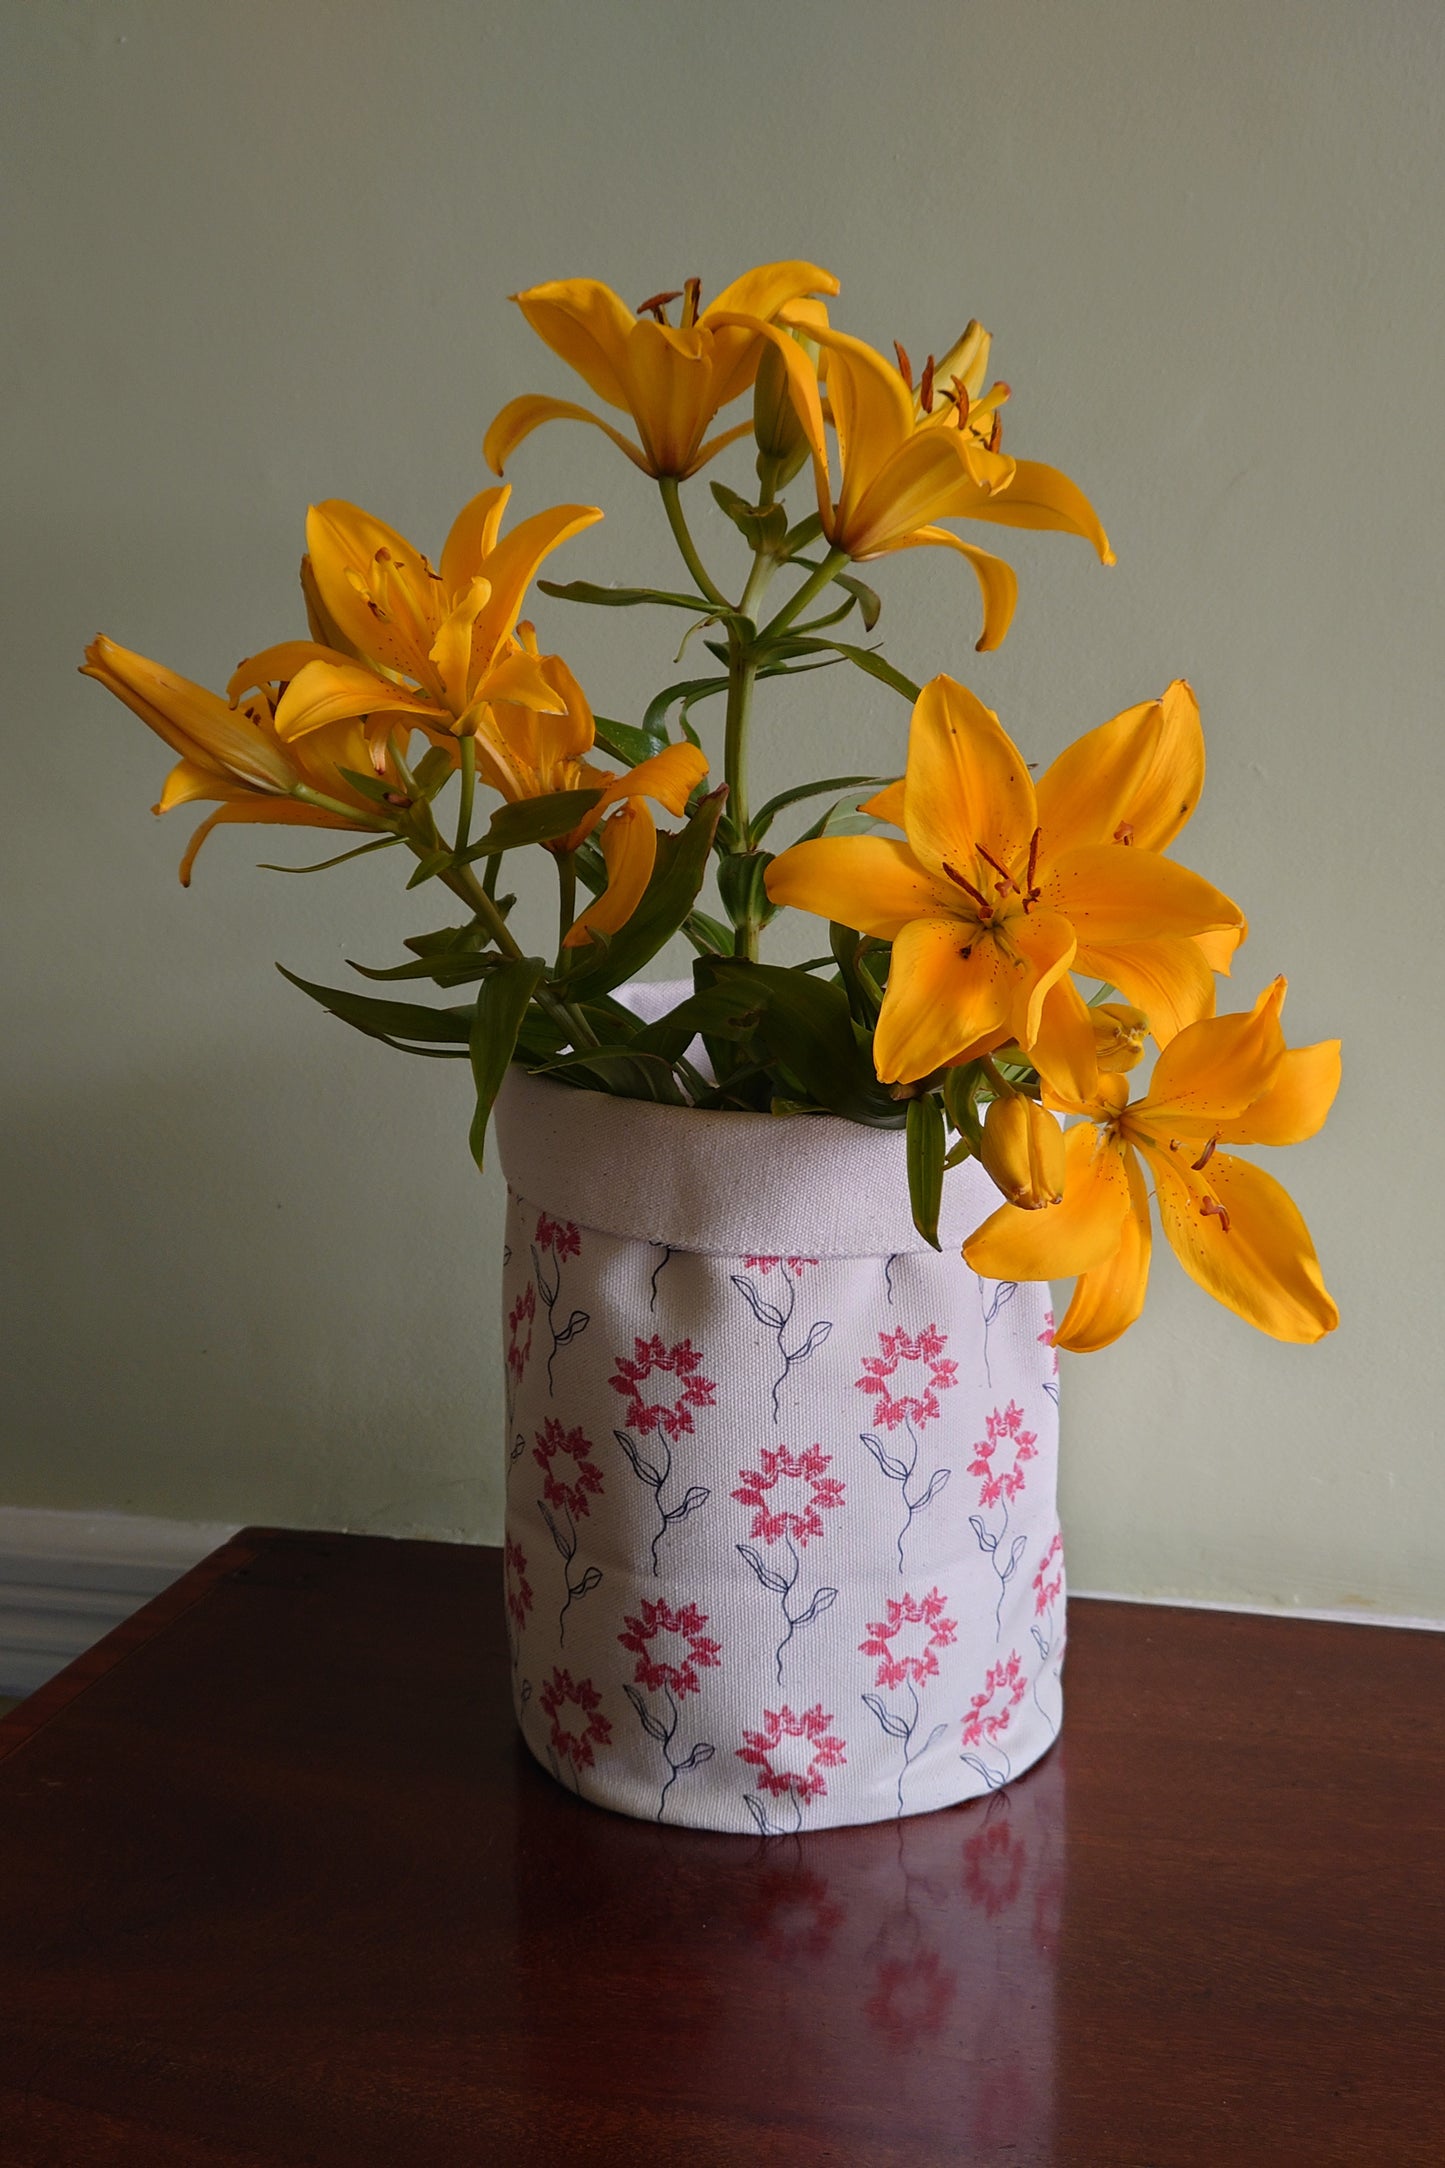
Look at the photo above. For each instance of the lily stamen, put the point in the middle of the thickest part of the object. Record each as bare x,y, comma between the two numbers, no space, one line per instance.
1124,833
656,305
925,386
1008,880
985,908
1212,1209
692,302
905,366
960,402
1205,1156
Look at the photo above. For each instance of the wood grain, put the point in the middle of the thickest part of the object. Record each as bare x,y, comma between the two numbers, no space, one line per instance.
284,1889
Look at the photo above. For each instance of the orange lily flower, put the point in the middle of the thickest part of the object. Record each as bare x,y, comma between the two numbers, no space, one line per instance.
237,755
911,456
992,898
435,646
671,379
530,753
1225,1080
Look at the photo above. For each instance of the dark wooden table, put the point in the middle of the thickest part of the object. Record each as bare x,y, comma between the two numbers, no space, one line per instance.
281,1887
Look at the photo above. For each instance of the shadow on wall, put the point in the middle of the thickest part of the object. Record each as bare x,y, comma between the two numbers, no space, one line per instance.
210,1317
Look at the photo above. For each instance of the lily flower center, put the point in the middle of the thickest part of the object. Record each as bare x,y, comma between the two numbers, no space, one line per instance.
1012,892
689,294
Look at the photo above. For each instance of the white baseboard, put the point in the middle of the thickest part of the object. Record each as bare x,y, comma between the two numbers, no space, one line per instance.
1267,1610
67,1578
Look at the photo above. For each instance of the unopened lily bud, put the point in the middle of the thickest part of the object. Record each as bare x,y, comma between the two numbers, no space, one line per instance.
1023,1152
1119,1033
776,427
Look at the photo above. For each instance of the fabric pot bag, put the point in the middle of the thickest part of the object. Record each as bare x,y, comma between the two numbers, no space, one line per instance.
782,1549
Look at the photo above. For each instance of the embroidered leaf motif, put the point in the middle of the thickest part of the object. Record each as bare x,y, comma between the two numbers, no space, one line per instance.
895,1470
650,1723
641,1465
816,1337
566,1544
576,1323
588,1581
768,1575
1020,1545
893,1725
755,1808
692,1498
935,1484
823,1601
701,1752
933,1737
766,1313
986,1541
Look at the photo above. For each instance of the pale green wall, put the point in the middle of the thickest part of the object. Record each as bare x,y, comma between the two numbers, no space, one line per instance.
261,257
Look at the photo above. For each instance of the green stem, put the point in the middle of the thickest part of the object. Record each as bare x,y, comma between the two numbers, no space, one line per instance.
566,899
463,882
742,676
672,504
469,787
811,587
354,815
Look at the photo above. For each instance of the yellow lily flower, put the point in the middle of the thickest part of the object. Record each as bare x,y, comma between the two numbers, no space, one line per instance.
436,646
910,456
237,755
671,379
1225,1080
530,753
994,896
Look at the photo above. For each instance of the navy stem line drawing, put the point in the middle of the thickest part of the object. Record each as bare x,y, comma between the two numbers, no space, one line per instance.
898,1727
1003,1294
902,1473
989,1541
776,1319
565,1538
888,1265
549,1287
664,1734
783,1586
665,1259
657,1478
763,1821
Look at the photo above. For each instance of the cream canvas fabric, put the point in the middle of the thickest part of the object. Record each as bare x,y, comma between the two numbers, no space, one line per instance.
782,1547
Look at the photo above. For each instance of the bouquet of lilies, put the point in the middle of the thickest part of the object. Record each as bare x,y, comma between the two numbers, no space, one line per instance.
964,903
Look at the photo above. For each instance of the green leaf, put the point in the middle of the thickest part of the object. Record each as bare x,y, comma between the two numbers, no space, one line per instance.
803,535
765,816
925,1164
387,1019
626,1072
429,866
369,785
532,820
742,884
708,935
865,996
454,967
433,770
464,939
960,1098
870,603
763,527
324,865
864,658
669,896
625,742
805,1027
502,1002
687,690
628,598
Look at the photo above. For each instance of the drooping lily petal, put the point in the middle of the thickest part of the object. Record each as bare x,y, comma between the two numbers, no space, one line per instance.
1252,1252
629,847
1074,1236
1109,1296
942,994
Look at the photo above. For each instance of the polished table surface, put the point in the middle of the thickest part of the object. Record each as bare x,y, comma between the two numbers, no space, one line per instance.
282,1888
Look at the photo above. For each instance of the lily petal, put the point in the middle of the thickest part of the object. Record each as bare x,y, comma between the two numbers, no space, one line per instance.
1109,1296
589,326
519,417
1087,794
1064,1048
1169,980
629,846
1043,944
998,582
1113,895
1218,946
1039,496
277,666
287,812
967,783
886,804
1063,1239
1296,1103
326,692
870,882
473,537
511,567
1261,1263
944,991
1214,1071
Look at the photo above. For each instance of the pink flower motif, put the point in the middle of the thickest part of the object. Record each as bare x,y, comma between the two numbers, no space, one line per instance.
1046,1339
918,1408
569,1489
654,1670
897,1666
774,1518
993,1867
765,1265
519,1588
563,1692
522,1312
1047,1583
1004,1427
681,1361
983,1721
911,1998
561,1237
818,1749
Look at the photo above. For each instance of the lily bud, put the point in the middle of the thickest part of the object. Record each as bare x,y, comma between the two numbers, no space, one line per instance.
1023,1152
1119,1032
776,427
